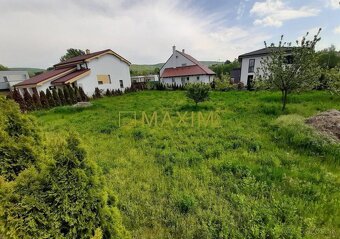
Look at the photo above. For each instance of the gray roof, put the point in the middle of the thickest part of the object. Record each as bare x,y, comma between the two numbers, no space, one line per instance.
263,51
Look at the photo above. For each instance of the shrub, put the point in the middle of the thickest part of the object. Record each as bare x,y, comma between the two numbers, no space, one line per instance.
36,99
63,199
18,138
223,83
43,100
185,204
50,99
108,93
29,100
97,93
56,97
198,92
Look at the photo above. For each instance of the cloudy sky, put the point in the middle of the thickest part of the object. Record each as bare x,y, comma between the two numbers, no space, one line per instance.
35,33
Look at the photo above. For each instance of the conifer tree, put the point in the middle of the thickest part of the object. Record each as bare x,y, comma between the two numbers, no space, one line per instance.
77,94
97,93
18,140
83,96
29,100
61,97
17,97
50,99
108,93
67,96
72,95
36,100
56,97
43,100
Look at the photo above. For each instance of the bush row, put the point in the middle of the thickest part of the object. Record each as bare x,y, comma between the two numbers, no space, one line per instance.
50,98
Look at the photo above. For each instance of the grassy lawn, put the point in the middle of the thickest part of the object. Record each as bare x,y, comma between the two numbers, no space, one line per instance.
236,179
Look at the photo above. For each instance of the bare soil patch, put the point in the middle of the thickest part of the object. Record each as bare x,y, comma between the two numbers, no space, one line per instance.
327,122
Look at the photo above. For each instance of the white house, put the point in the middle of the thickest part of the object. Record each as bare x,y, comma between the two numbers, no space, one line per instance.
251,62
182,68
9,78
103,69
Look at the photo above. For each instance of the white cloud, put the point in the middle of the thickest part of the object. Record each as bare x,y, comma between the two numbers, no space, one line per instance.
335,4
36,33
337,30
275,12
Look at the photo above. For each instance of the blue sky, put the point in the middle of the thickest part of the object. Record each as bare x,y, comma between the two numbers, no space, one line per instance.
35,33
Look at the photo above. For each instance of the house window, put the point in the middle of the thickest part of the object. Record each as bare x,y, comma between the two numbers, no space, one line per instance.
103,79
184,64
173,80
183,80
251,65
110,79
187,79
198,78
5,79
121,84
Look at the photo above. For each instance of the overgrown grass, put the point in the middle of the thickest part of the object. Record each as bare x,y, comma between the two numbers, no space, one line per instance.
259,173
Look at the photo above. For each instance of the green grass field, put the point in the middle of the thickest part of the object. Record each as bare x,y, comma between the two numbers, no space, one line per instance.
255,173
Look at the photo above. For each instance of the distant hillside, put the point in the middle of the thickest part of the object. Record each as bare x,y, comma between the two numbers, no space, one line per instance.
31,71
136,69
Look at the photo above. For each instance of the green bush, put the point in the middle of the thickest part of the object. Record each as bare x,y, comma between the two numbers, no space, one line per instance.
198,92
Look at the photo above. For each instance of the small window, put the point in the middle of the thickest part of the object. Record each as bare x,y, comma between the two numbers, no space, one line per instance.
5,79
188,79
110,79
121,84
184,64
104,79
198,78
173,80
176,56
251,65
183,80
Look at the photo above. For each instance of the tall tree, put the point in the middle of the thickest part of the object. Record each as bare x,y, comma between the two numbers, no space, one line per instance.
290,68
3,68
70,53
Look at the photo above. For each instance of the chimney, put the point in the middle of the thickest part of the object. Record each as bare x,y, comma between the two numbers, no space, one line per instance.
183,50
87,51
173,49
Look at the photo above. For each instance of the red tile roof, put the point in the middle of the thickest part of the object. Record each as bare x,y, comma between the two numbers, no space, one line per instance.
43,76
64,79
183,71
82,58
197,69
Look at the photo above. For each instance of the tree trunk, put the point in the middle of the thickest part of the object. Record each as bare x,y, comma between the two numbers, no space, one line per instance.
284,99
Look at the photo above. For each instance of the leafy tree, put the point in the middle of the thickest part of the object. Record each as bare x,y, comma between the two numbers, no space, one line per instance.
223,83
29,100
198,92
287,72
333,76
18,140
56,97
3,68
44,100
329,58
17,97
224,69
70,53
50,98
61,96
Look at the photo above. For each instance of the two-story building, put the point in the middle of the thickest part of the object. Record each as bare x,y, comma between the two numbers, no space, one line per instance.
182,68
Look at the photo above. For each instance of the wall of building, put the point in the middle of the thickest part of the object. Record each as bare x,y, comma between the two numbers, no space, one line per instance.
176,60
106,65
192,79
245,67
13,77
